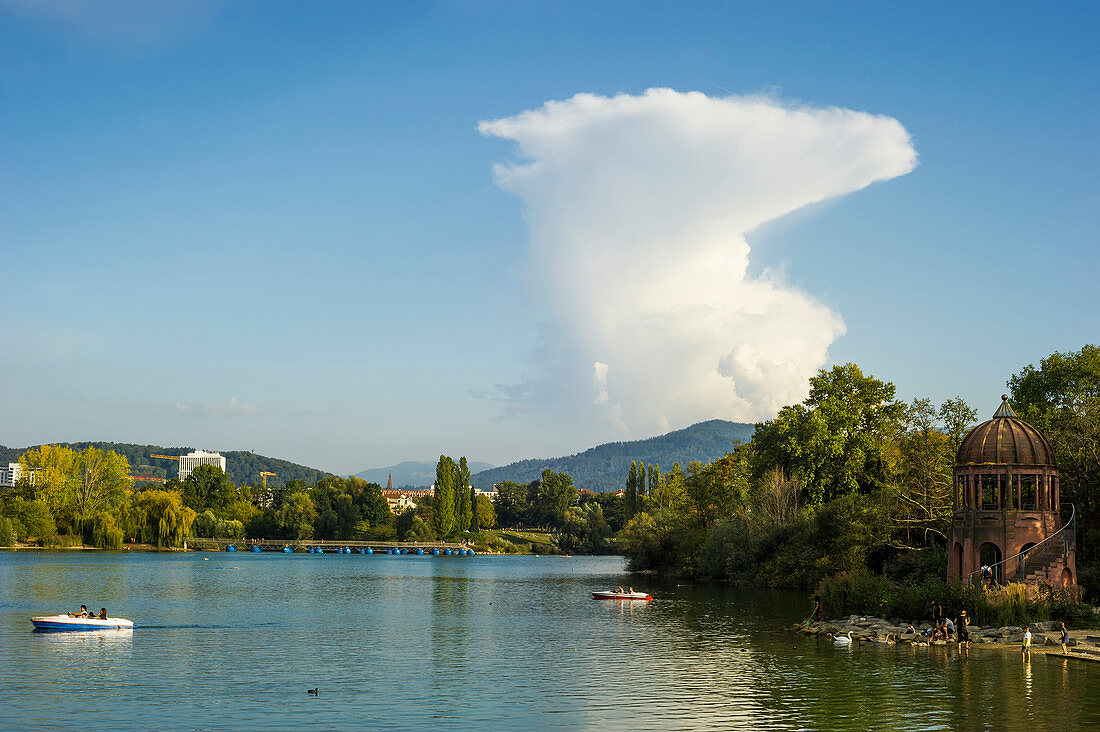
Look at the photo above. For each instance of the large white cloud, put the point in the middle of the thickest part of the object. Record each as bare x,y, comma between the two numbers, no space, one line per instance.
638,208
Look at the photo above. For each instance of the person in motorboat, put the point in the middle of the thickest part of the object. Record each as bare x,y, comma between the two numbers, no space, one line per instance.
82,614
102,613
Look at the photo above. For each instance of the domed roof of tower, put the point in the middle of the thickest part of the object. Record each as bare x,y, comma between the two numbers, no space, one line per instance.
1005,440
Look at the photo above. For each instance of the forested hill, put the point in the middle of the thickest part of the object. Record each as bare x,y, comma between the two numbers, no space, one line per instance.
604,468
241,466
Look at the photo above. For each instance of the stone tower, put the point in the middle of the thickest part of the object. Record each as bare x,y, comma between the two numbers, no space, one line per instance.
1007,510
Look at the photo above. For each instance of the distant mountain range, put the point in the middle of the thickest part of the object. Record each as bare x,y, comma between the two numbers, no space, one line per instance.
417,472
242,467
601,469
604,468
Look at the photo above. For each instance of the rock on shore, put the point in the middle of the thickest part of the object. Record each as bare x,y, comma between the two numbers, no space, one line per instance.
869,629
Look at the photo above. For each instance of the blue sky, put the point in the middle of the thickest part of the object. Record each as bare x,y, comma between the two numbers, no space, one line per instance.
275,226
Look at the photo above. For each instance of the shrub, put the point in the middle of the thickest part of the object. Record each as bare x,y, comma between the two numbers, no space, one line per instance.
232,530
204,524
858,592
7,532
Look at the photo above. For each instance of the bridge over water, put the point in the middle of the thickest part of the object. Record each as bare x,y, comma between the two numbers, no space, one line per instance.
305,545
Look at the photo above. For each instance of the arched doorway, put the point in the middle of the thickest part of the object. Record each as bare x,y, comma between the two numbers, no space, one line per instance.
1067,577
1025,565
955,562
989,555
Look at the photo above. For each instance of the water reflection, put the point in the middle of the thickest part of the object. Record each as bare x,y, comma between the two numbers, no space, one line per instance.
401,642
86,645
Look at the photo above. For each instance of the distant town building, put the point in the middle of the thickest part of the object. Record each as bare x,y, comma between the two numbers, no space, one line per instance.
10,475
400,500
194,459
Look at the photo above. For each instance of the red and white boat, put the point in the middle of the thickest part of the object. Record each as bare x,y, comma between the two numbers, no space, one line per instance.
616,595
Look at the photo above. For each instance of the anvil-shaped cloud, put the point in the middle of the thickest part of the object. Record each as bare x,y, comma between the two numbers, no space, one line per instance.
638,207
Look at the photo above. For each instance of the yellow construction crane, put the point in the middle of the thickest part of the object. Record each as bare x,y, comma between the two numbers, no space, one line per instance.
264,474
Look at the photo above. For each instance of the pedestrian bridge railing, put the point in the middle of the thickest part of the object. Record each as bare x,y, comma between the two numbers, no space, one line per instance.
274,545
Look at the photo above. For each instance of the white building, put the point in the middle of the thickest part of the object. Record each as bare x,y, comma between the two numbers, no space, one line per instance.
194,459
10,475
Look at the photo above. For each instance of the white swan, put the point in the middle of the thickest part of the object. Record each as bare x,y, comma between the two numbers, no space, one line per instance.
842,640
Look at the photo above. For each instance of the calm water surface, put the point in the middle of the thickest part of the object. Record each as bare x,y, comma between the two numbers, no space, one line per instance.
233,641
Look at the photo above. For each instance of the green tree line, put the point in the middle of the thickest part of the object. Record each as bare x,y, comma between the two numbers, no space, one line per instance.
852,479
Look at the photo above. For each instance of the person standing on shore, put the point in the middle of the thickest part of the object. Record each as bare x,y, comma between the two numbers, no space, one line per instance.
1065,639
816,612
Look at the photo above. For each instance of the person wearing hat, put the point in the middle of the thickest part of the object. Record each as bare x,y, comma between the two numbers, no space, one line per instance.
962,628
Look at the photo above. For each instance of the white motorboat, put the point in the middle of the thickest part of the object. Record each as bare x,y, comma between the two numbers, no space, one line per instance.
616,595
67,622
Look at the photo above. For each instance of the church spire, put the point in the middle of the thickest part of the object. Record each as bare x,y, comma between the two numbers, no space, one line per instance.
389,483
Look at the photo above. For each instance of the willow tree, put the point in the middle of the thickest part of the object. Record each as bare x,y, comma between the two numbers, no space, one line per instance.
165,520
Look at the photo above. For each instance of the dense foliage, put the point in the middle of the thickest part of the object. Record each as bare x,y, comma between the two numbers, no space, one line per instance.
847,479
69,497
850,492
601,469
1062,398
241,466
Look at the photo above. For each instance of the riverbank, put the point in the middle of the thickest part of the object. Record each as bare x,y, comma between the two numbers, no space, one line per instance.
1046,637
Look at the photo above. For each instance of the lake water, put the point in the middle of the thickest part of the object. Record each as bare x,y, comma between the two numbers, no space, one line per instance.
233,641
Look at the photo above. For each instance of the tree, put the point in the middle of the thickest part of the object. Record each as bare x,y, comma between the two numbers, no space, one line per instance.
296,516
486,515
510,503
47,473
556,494
835,439
164,519
101,477
669,493
443,516
1062,398
630,497
715,489
208,487
922,489
957,417
775,498
464,506
31,519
